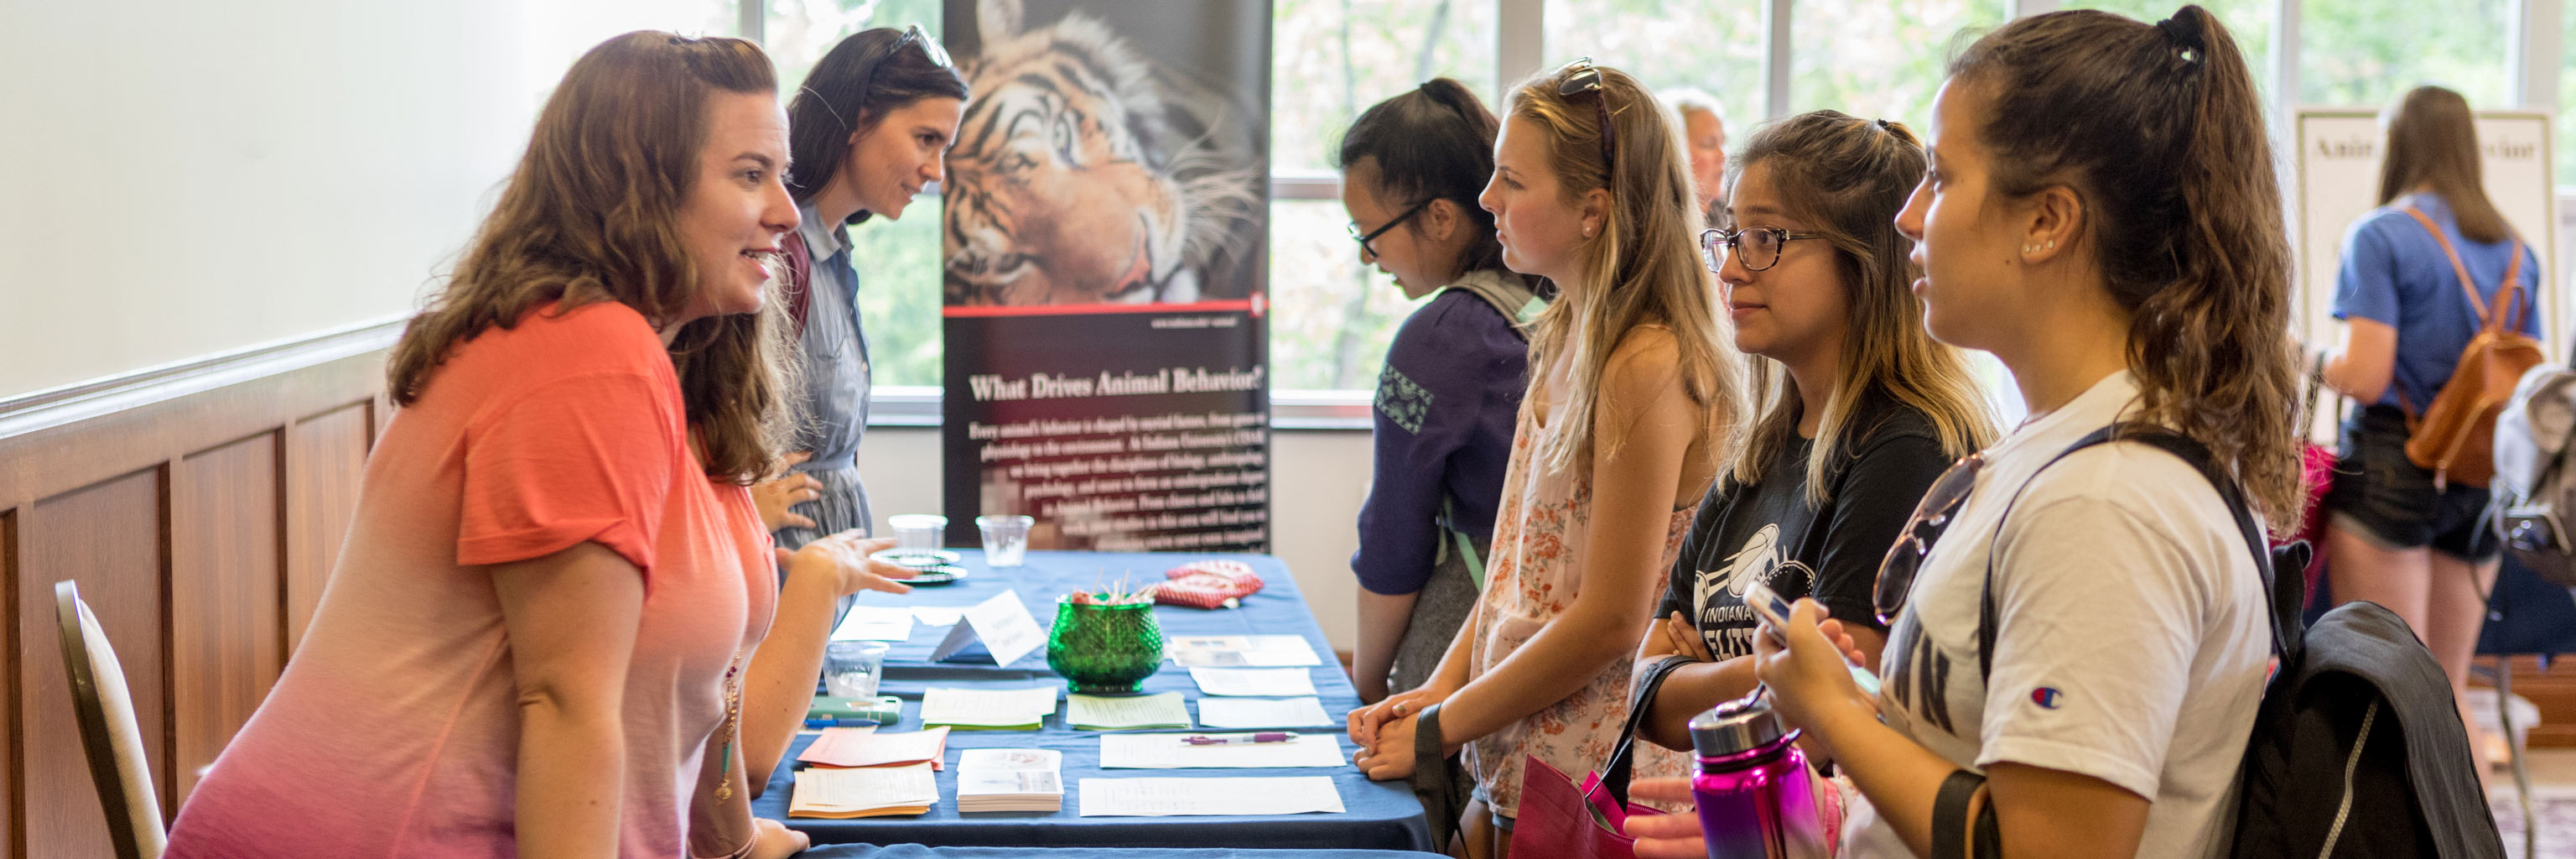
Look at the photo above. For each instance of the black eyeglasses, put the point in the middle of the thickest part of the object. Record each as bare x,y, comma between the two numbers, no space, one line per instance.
1582,76
1931,517
1758,248
1365,238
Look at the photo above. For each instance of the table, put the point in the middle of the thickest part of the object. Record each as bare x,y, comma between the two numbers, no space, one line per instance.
916,851
1380,815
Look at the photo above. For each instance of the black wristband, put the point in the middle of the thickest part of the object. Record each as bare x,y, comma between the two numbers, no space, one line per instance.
1950,814
1428,745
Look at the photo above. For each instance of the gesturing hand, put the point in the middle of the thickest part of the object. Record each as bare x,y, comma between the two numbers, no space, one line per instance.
777,496
846,557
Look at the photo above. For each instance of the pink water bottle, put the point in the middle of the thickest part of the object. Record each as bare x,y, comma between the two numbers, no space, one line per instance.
1757,799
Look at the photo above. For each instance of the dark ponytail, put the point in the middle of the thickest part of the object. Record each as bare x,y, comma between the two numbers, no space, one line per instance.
1434,143
852,89
2159,132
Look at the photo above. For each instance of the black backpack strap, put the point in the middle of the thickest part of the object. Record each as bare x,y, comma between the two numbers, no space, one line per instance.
2285,627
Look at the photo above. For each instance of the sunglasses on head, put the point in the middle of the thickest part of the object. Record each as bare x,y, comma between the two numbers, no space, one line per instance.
912,35
1582,76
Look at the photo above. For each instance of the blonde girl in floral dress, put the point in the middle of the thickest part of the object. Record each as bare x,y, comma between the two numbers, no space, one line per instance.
1630,402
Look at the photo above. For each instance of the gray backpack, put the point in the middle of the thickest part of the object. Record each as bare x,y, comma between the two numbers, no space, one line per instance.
2533,481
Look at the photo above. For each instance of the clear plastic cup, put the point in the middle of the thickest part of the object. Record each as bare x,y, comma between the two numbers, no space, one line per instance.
851,668
1006,539
917,533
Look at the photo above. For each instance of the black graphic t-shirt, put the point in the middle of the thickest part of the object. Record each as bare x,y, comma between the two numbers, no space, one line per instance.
1768,531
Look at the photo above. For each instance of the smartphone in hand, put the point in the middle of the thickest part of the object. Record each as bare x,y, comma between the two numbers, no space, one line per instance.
1774,612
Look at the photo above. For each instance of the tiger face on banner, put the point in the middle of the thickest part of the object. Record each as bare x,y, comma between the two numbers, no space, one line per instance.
1087,172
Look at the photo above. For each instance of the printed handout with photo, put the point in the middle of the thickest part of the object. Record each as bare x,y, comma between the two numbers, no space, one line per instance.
1111,153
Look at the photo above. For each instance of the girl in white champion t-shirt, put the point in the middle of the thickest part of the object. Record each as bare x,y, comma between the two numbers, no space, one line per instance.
2101,215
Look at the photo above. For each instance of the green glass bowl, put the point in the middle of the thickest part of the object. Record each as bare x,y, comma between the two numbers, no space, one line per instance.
1104,649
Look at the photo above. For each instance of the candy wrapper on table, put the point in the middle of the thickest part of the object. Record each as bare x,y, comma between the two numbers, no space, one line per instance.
1208,584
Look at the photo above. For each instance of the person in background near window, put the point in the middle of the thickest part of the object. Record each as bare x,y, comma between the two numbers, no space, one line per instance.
1857,408
1704,134
1412,167
2101,214
1631,392
540,638
869,128
2426,552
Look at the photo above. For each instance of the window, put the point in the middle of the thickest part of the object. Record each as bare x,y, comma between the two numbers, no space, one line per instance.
1330,60
2566,130
1880,58
898,261
2249,21
1709,45
2369,52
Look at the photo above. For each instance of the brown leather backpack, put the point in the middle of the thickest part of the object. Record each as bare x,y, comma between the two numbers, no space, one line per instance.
2455,438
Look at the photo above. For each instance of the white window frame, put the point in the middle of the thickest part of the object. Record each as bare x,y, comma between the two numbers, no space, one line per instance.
2533,44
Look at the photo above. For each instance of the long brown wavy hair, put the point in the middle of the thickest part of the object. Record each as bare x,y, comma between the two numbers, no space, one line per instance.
1641,269
1846,178
592,214
2433,140
2158,131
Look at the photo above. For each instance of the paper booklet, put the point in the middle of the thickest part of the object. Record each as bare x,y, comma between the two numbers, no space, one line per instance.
1254,682
1010,780
1264,713
1242,651
988,709
1102,713
864,747
842,794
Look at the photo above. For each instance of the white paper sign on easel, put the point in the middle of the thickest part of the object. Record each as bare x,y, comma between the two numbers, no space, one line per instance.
1001,623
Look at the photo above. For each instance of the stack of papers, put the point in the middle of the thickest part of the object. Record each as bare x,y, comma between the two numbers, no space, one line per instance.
1165,797
842,794
1242,651
1010,780
1264,713
988,709
1174,751
864,747
874,623
1254,682
1099,713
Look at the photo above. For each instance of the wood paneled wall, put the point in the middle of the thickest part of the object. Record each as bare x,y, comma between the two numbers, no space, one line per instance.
201,512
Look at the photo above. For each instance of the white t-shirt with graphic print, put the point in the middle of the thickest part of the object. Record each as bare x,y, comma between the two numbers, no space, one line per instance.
2132,640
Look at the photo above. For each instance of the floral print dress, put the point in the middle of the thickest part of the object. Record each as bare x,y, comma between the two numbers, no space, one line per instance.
1536,567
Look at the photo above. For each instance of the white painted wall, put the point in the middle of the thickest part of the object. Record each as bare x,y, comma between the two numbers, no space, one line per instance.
189,178
1317,480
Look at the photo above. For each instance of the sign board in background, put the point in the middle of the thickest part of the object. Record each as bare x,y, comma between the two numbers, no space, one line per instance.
2338,182
1105,253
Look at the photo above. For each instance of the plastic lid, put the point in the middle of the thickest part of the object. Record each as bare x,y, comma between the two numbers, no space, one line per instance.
1737,726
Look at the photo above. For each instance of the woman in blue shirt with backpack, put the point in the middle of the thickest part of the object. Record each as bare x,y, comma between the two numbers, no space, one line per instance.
2425,548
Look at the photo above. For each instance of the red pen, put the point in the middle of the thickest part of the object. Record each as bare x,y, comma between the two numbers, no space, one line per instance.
1262,737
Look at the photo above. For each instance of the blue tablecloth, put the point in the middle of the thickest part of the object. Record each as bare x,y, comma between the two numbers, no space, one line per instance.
916,851
1379,815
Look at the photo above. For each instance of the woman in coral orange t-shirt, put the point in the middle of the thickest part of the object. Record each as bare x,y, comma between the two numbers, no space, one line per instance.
544,633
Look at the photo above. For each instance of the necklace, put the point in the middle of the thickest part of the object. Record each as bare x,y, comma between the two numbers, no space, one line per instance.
732,724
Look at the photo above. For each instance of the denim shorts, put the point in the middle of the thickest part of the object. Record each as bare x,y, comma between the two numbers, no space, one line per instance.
2378,489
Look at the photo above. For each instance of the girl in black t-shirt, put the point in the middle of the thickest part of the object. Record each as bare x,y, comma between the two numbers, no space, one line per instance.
1858,409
